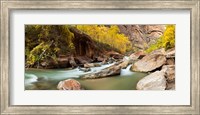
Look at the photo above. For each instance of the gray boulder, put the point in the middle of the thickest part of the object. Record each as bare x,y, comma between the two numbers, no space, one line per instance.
150,62
154,81
109,71
114,70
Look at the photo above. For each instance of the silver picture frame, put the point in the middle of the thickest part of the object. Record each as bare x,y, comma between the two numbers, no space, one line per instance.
8,5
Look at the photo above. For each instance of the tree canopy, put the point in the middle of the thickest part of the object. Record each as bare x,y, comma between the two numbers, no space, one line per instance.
107,35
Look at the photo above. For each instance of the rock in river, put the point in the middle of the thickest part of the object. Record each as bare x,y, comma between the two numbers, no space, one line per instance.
84,69
154,81
150,62
69,84
110,71
89,65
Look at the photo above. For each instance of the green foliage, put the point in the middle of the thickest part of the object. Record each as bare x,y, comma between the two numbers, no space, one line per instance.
107,35
167,40
46,41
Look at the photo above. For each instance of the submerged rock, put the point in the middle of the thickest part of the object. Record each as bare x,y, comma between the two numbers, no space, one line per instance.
150,62
84,69
154,81
69,84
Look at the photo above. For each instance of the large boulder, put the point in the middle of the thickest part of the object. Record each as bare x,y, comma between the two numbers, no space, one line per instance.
110,71
150,62
154,81
69,84
103,73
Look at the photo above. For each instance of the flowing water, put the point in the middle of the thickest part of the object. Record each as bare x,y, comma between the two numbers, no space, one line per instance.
47,79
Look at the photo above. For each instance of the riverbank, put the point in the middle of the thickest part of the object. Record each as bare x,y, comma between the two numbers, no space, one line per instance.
153,71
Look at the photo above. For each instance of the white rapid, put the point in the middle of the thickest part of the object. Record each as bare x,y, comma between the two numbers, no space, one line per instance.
48,79
76,72
29,78
126,71
58,74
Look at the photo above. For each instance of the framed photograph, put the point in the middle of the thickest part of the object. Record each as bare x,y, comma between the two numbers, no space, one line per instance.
100,57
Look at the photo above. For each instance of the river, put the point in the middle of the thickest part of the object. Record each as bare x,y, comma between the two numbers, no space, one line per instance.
47,79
